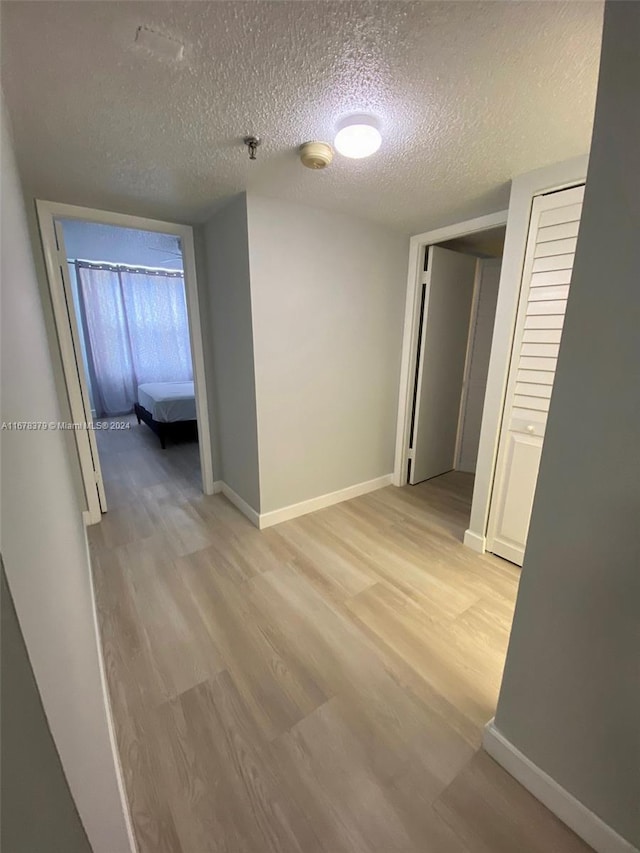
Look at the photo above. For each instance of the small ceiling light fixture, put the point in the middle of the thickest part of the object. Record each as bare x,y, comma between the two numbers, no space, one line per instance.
252,143
358,136
316,155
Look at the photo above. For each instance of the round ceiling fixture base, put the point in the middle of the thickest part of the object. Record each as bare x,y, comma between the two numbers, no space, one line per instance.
316,155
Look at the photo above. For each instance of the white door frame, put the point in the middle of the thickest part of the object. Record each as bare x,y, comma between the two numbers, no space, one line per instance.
523,190
70,346
48,212
417,246
473,319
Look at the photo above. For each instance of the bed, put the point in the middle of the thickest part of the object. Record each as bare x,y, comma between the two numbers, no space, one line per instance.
169,409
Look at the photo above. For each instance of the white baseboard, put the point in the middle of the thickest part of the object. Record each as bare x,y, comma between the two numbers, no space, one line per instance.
108,707
474,541
564,805
276,516
240,503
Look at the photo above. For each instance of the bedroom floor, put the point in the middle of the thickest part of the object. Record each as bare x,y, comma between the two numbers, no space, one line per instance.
132,461
317,687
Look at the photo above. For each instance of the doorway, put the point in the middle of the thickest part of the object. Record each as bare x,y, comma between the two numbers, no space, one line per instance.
455,317
125,302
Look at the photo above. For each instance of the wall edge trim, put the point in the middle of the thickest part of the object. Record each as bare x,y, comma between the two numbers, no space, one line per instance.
573,813
475,541
240,503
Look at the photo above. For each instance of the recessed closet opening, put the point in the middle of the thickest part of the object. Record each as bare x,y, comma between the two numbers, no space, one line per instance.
458,297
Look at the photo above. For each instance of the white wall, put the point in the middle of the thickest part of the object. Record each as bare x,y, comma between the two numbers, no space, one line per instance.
229,297
570,698
327,295
93,241
44,543
479,363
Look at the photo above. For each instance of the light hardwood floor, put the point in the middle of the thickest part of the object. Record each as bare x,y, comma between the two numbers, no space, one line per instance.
317,687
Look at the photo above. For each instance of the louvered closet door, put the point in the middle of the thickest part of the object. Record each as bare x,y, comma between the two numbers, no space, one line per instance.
551,247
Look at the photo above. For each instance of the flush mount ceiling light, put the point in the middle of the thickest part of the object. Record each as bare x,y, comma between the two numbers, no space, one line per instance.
358,136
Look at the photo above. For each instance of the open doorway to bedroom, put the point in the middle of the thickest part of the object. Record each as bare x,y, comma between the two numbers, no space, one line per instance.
125,305
131,309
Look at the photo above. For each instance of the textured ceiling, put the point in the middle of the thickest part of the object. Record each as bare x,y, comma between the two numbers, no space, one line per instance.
468,94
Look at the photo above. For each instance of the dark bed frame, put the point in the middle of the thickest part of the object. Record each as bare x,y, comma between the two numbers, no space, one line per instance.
176,431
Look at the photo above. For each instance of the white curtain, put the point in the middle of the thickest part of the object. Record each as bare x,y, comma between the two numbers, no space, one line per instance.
135,329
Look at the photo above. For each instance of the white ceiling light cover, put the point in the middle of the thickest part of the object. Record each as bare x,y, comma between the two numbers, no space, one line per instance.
358,137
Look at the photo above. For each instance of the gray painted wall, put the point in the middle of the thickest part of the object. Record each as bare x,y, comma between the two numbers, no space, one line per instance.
328,295
38,812
570,699
49,573
229,297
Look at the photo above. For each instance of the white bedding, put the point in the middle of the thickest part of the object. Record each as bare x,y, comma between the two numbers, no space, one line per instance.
168,401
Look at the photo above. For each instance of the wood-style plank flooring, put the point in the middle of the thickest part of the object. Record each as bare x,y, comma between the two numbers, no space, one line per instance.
317,687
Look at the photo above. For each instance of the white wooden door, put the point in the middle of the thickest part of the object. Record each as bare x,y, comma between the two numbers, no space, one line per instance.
551,246
481,336
67,324
442,353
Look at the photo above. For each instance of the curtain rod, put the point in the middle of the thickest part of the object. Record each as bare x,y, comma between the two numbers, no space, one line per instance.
106,265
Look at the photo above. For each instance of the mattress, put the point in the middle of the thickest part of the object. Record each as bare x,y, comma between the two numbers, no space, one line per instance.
168,402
